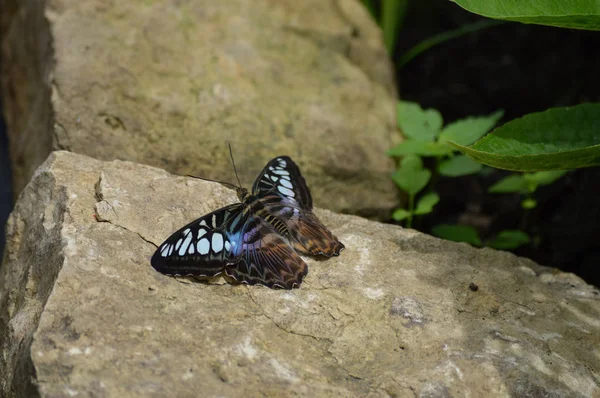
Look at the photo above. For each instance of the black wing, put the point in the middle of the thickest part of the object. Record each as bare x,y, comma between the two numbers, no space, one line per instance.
204,246
281,177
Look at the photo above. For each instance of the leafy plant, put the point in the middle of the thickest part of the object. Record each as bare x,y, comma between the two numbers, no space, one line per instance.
558,138
526,184
425,137
411,177
505,240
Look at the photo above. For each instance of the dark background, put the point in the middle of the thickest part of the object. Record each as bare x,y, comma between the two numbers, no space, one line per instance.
5,183
521,69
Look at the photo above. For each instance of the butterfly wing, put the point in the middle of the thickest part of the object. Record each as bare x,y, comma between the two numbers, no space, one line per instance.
267,259
204,246
285,194
281,177
231,239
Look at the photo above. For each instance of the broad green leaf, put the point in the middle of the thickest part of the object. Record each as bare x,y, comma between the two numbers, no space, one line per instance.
426,203
527,182
577,14
544,177
457,233
411,177
416,123
510,184
556,139
467,131
459,166
392,15
400,214
509,240
422,148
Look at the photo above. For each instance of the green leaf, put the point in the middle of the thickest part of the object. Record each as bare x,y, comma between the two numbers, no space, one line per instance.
457,233
510,240
510,184
426,203
544,177
467,131
422,148
411,177
577,14
556,139
400,214
392,15
416,123
529,203
459,166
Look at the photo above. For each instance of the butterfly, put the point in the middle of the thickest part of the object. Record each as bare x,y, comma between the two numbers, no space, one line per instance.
256,241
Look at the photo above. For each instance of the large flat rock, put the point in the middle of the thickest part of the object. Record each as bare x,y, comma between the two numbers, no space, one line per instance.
397,314
167,83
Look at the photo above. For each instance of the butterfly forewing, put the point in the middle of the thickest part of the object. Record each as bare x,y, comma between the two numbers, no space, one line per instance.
286,196
204,246
281,177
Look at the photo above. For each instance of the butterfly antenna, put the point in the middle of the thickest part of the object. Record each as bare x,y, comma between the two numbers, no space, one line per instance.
217,181
232,161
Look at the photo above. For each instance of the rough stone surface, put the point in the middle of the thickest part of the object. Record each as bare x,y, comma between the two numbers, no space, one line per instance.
168,83
82,313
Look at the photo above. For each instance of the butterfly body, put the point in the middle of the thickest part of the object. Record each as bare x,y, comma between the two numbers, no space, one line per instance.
255,241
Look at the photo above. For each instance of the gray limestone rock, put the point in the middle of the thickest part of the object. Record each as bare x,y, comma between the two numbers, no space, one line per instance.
168,83
82,313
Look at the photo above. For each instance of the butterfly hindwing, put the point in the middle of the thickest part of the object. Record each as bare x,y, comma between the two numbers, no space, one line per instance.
267,259
203,247
281,177
308,235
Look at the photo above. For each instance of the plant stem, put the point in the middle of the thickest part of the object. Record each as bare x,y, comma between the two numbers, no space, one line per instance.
411,208
443,37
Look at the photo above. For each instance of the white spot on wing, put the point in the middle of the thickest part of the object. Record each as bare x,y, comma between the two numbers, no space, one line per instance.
171,247
186,231
191,249
214,221
203,246
203,223
201,232
274,178
217,242
185,244
285,191
227,246
286,177
165,250
286,183
179,242
281,172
